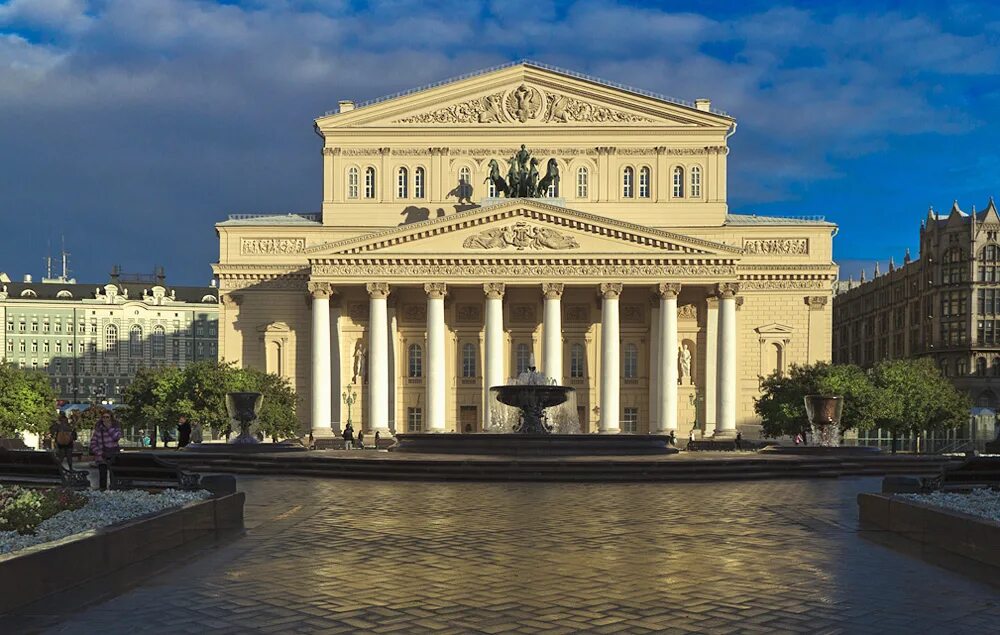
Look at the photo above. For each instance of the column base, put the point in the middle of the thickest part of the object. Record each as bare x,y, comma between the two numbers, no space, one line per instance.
724,434
613,431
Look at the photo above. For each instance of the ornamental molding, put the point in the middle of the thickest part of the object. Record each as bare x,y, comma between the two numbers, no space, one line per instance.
776,246
472,268
378,290
271,246
668,289
494,290
522,105
360,152
552,290
320,290
687,312
521,236
436,290
260,282
782,285
611,290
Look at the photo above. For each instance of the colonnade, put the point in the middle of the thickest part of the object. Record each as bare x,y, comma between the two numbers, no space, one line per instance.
664,355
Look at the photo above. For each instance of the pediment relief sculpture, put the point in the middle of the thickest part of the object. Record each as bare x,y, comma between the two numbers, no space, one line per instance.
525,104
521,236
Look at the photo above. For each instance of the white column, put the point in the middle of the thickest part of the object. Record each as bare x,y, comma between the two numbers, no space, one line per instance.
709,417
435,356
726,392
493,363
552,344
667,406
610,358
321,411
378,360
336,382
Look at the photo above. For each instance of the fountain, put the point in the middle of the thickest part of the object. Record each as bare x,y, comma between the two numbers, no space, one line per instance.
532,415
243,408
824,413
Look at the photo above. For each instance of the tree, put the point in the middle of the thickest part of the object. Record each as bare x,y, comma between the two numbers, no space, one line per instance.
27,401
151,400
911,396
89,417
782,409
276,418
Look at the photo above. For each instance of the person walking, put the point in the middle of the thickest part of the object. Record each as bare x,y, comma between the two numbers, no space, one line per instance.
672,439
739,441
348,437
183,432
104,445
361,439
798,439
376,439
63,436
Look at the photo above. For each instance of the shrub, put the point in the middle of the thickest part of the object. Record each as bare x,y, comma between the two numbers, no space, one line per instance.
23,509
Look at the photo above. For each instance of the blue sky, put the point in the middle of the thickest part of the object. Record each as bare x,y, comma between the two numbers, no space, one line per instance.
131,126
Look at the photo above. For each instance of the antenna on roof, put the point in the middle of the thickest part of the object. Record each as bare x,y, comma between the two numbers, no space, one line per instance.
65,259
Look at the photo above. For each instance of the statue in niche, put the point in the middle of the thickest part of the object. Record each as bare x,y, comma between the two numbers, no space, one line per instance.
685,361
360,362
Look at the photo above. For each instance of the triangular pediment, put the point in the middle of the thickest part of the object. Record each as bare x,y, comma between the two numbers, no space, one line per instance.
525,228
774,330
525,94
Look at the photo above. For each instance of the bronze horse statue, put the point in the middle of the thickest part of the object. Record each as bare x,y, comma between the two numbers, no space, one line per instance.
499,184
551,177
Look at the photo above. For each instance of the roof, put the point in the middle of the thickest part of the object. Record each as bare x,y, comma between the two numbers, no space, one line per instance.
754,219
50,291
271,219
542,66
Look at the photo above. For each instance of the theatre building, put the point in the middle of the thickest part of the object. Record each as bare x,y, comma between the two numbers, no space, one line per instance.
618,268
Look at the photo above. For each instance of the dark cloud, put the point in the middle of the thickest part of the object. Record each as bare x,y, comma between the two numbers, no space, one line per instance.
133,125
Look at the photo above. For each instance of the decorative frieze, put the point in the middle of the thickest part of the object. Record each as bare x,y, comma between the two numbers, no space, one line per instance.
509,270
782,285
271,246
687,312
522,313
563,109
278,283
520,236
358,311
468,313
776,246
633,314
577,313
414,313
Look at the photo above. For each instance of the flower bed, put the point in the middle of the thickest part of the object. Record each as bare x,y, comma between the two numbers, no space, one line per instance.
32,517
978,502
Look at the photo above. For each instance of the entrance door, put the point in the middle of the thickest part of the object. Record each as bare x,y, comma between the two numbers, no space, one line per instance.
468,419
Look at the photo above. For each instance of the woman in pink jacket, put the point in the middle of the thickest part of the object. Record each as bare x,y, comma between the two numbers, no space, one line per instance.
104,445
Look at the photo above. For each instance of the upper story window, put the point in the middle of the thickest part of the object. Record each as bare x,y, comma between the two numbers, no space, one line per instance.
644,182
989,259
418,183
696,182
577,361
953,270
628,183
678,182
369,182
402,183
415,361
352,183
135,341
111,340
582,182
522,358
630,365
468,361
464,189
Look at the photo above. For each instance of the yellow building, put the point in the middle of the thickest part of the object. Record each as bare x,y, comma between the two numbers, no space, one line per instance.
419,287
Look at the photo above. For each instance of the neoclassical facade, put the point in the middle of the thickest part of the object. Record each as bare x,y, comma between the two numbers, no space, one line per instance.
417,287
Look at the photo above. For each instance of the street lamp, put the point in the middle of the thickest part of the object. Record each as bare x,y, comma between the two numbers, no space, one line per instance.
97,392
349,397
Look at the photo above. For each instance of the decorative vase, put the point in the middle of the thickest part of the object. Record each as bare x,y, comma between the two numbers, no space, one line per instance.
243,407
824,412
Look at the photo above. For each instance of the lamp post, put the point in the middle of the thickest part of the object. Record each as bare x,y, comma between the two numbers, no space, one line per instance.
96,393
349,397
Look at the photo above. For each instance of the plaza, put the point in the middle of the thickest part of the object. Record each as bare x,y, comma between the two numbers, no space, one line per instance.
329,556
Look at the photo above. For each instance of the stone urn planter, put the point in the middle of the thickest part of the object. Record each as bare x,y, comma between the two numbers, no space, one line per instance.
824,412
243,407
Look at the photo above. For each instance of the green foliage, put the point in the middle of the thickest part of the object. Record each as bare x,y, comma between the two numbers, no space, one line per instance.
782,409
911,395
27,401
89,417
23,509
161,396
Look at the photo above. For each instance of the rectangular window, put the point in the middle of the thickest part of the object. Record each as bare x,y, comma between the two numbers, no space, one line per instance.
10,346
21,347
45,327
58,327
34,327
414,419
630,420
21,327
582,182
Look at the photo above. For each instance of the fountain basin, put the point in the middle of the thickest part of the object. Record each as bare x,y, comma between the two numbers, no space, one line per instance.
526,444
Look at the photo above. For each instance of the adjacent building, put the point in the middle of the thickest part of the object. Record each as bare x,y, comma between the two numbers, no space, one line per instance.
91,339
418,286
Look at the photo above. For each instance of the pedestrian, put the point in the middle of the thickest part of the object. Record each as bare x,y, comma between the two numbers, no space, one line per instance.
377,435
197,436
798,439
739,441
361,439
183,432
348,437
166,436
146,440
63,436
691,436
672,439
104,445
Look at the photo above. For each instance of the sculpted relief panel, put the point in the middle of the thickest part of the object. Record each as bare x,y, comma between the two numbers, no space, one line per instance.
520,236
776,247
271,246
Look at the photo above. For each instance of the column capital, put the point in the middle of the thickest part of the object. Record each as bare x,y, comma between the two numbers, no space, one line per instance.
494,290
611,290
436,289
816,302
378,290
552,290
320,290
727,290
668,290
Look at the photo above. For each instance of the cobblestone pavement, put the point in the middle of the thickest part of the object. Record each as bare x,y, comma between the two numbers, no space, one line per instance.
329,556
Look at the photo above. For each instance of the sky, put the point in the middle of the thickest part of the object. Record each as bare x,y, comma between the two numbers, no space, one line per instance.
131,126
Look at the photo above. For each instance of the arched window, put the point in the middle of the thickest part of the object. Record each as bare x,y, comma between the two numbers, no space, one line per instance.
465,183
989,263
415,363
577,361
369,182
491,187
981,366
352,183
961,368
522,358
469,361
644,182
695,182
135,341
630,364
778,363
582,182
402,183
418,183
553,189
678,182
111,340
159,342
628,183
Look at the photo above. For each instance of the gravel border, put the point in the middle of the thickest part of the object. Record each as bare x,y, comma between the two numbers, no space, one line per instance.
984,503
